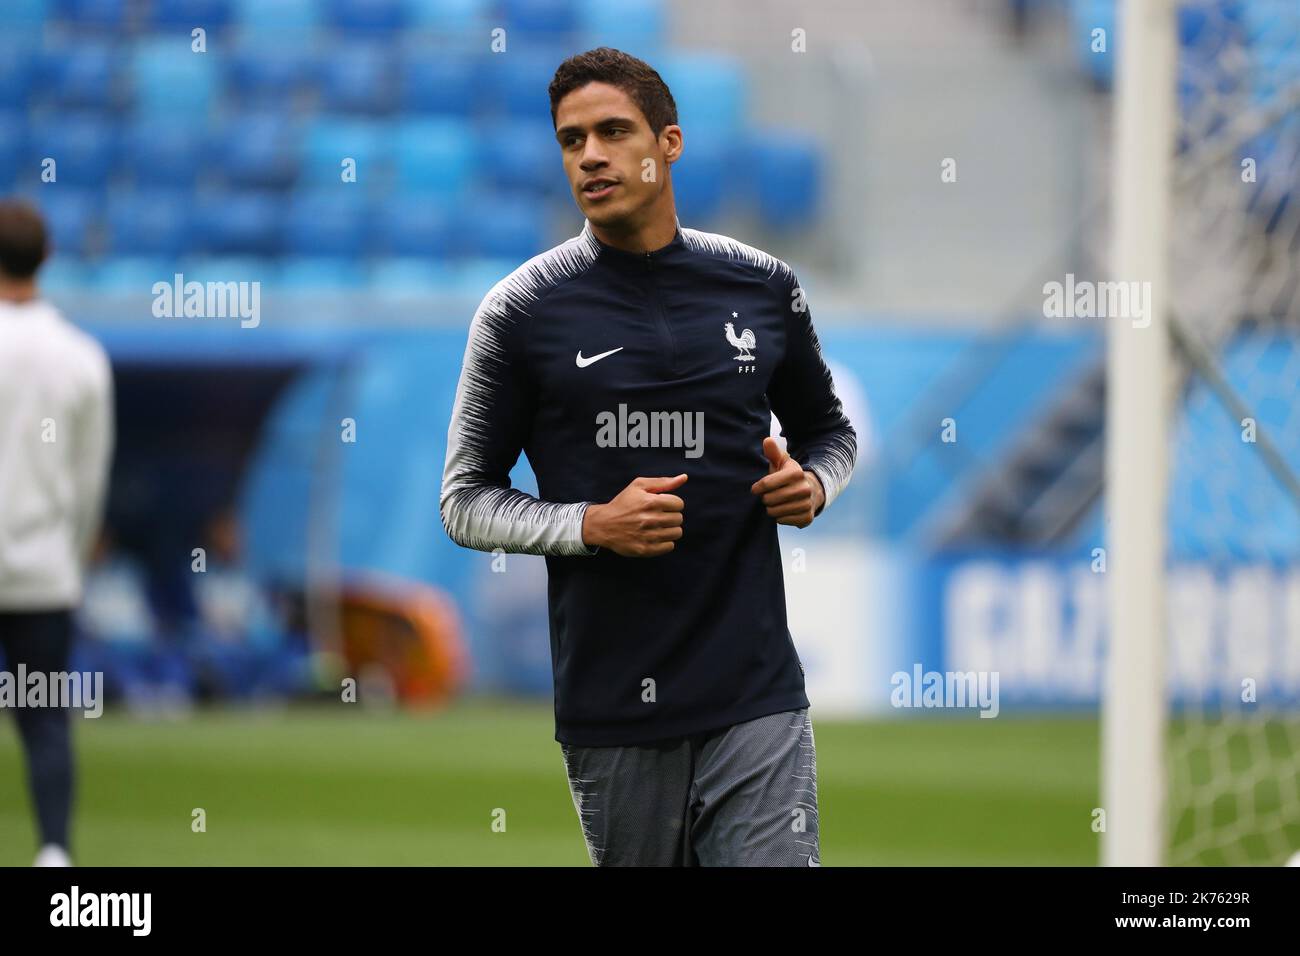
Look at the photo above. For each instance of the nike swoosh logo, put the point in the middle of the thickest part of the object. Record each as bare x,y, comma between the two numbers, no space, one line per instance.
584,362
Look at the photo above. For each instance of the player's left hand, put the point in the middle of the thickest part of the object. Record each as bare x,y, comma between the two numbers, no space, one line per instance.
791,495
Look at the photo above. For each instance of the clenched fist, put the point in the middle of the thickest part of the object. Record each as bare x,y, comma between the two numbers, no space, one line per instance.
643,521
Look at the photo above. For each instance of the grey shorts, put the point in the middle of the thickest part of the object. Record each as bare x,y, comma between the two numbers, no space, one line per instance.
744,795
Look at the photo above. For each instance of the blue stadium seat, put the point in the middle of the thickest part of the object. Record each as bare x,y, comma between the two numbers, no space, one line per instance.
170,78
709,91
25,18
269,19
13,142
522,155
71,216
229,268
83,147
162,152
321,273
108,15
329,140
540,17
247,223
357,78
407,225
185,15
132,273
506,227
150,222
434,156
638,27
438,83
266,72
81,74
516,82
787,178
64,273
407,276
333,221
451,18
256,150
373,17
702,186
17,71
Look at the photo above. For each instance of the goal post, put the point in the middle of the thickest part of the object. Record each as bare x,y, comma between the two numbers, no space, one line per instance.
1137,428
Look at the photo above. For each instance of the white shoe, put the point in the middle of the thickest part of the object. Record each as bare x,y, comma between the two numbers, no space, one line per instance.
53,855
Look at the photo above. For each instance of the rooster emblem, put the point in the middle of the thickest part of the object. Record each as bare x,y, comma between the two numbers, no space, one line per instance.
743,342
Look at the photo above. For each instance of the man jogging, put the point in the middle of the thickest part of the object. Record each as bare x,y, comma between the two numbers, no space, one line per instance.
56,435
638,365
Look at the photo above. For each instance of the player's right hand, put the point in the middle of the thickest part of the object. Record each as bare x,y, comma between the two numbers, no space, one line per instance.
643,521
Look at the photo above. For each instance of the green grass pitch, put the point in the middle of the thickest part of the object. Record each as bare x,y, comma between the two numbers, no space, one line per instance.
343,786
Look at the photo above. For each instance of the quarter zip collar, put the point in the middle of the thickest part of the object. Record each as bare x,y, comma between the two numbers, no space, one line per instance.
638,260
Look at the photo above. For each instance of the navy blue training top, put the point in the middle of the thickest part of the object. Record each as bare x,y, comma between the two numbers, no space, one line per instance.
603,366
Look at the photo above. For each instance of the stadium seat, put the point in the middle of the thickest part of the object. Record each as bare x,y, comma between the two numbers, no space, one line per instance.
360,17
709,91
329,140
409,276
229,268
522,155
408,225
13,141
438,83
634,26
71,216
516,82
169,78
540,17
132,273
161,152
451,18
272,19
357,78
25,18
17,70
247,223
434,156
79,75
329,221
320,274
506,227
150,222
185,15
62,273
786,170
264,72
256,150
82,146
701,184
107,15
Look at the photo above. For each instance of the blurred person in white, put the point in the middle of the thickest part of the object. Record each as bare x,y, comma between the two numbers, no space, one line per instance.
56,439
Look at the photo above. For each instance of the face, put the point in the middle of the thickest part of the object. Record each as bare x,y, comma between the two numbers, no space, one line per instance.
617,168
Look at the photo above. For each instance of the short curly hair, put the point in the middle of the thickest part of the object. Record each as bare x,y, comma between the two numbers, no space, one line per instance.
637,78
23,242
